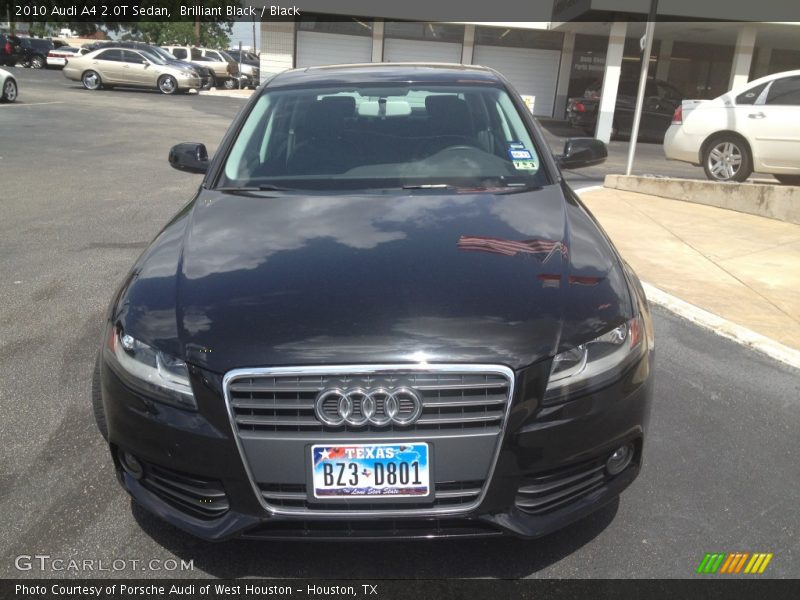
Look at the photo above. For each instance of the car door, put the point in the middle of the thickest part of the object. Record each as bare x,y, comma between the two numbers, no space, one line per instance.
108,65
137,69
774,125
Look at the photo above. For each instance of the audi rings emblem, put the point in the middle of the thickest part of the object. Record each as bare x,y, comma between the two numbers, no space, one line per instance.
359,407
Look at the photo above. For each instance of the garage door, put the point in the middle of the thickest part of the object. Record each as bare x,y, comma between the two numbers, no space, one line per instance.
397,50
533,72
314,49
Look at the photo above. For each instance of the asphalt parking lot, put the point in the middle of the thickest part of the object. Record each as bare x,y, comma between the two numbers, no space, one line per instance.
85,184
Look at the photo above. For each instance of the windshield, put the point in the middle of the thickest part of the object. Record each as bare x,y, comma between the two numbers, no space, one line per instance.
153,58
397,135
161,53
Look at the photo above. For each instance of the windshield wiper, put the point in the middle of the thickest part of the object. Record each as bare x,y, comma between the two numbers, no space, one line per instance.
254,188
430,186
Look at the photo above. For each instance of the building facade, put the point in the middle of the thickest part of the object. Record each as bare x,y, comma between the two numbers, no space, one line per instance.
548,62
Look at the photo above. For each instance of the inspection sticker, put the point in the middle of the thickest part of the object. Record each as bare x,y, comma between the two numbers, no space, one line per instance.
526,165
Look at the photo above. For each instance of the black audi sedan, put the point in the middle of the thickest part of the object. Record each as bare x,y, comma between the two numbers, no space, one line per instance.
383,315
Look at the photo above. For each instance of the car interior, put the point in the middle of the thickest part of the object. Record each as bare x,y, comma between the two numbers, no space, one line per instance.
396,134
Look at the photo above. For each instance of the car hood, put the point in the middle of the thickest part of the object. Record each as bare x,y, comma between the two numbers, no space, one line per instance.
265,279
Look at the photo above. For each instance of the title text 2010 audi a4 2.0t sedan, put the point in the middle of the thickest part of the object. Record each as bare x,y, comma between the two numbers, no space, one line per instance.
384,314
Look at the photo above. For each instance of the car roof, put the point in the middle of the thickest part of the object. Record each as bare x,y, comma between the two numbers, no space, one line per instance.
387,73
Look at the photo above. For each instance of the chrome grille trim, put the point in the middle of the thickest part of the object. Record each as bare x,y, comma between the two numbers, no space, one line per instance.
451,399
418,370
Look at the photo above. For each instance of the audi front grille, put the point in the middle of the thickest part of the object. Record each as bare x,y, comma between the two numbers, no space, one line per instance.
277,414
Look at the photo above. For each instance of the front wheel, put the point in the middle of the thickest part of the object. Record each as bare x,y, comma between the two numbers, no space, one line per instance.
91,80
788,179
38,62
727,158
167,84
9,91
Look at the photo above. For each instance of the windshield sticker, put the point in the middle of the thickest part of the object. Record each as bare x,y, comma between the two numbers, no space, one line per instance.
526,165
516,146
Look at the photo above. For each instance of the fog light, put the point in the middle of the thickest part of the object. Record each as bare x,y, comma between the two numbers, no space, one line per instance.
619,460
131,465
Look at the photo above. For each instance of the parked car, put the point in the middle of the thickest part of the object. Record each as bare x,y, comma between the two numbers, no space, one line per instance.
11,51
57,57
202,72
109,67
34,52
753,128
661,99
383,314
250,65
8,87
223,69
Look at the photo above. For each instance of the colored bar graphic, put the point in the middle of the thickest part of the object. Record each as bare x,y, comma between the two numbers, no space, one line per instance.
734,562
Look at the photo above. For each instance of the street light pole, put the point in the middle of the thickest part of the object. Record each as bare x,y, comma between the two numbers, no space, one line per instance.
637,115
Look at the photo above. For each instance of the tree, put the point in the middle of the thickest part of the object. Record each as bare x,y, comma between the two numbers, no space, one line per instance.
212,34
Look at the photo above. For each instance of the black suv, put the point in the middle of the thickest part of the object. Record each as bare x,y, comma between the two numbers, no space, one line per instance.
201,71
10,50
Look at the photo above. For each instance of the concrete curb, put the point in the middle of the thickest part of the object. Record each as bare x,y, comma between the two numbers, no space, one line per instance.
780,202
723,327
718,325
241,94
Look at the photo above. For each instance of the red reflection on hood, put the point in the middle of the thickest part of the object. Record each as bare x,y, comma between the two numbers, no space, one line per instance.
511,248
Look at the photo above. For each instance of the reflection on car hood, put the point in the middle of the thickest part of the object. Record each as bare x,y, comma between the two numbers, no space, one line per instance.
279,279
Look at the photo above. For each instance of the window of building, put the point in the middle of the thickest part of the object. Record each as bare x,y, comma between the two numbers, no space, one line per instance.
440,32
331,24
519,38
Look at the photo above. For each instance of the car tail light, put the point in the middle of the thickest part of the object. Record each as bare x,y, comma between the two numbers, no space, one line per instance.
677,117
50,55
579,107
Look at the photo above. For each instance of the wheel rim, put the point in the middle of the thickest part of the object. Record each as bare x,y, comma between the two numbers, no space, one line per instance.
167,85
38,63
229,84
91,81
10,91
724,161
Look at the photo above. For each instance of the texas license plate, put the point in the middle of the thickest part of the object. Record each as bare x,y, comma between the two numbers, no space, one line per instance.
399,470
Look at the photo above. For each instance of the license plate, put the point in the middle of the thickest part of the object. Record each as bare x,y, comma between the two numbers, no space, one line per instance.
398,470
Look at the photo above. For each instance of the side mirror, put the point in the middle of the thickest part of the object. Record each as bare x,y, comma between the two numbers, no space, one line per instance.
582,152
189,157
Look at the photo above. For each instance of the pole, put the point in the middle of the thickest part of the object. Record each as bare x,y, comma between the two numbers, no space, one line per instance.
637,115
240,64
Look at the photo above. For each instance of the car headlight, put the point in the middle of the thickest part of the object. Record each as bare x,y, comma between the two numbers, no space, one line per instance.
596,363
155,374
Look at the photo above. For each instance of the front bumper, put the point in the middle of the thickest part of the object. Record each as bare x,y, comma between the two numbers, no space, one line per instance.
189,83
190,458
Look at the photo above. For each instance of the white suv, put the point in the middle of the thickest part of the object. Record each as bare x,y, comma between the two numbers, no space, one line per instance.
752,128
224,70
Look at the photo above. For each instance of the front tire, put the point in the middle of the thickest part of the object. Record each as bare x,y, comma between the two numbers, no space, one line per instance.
9,91
91,80
230,84
788,179
38,62
727,158
167,85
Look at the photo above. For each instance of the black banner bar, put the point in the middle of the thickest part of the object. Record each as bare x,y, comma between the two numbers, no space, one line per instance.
512,11
421,589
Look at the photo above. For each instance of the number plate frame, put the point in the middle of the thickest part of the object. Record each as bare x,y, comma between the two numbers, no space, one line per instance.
313,497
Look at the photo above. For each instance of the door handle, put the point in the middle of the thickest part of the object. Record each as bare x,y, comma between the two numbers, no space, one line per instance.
758,115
